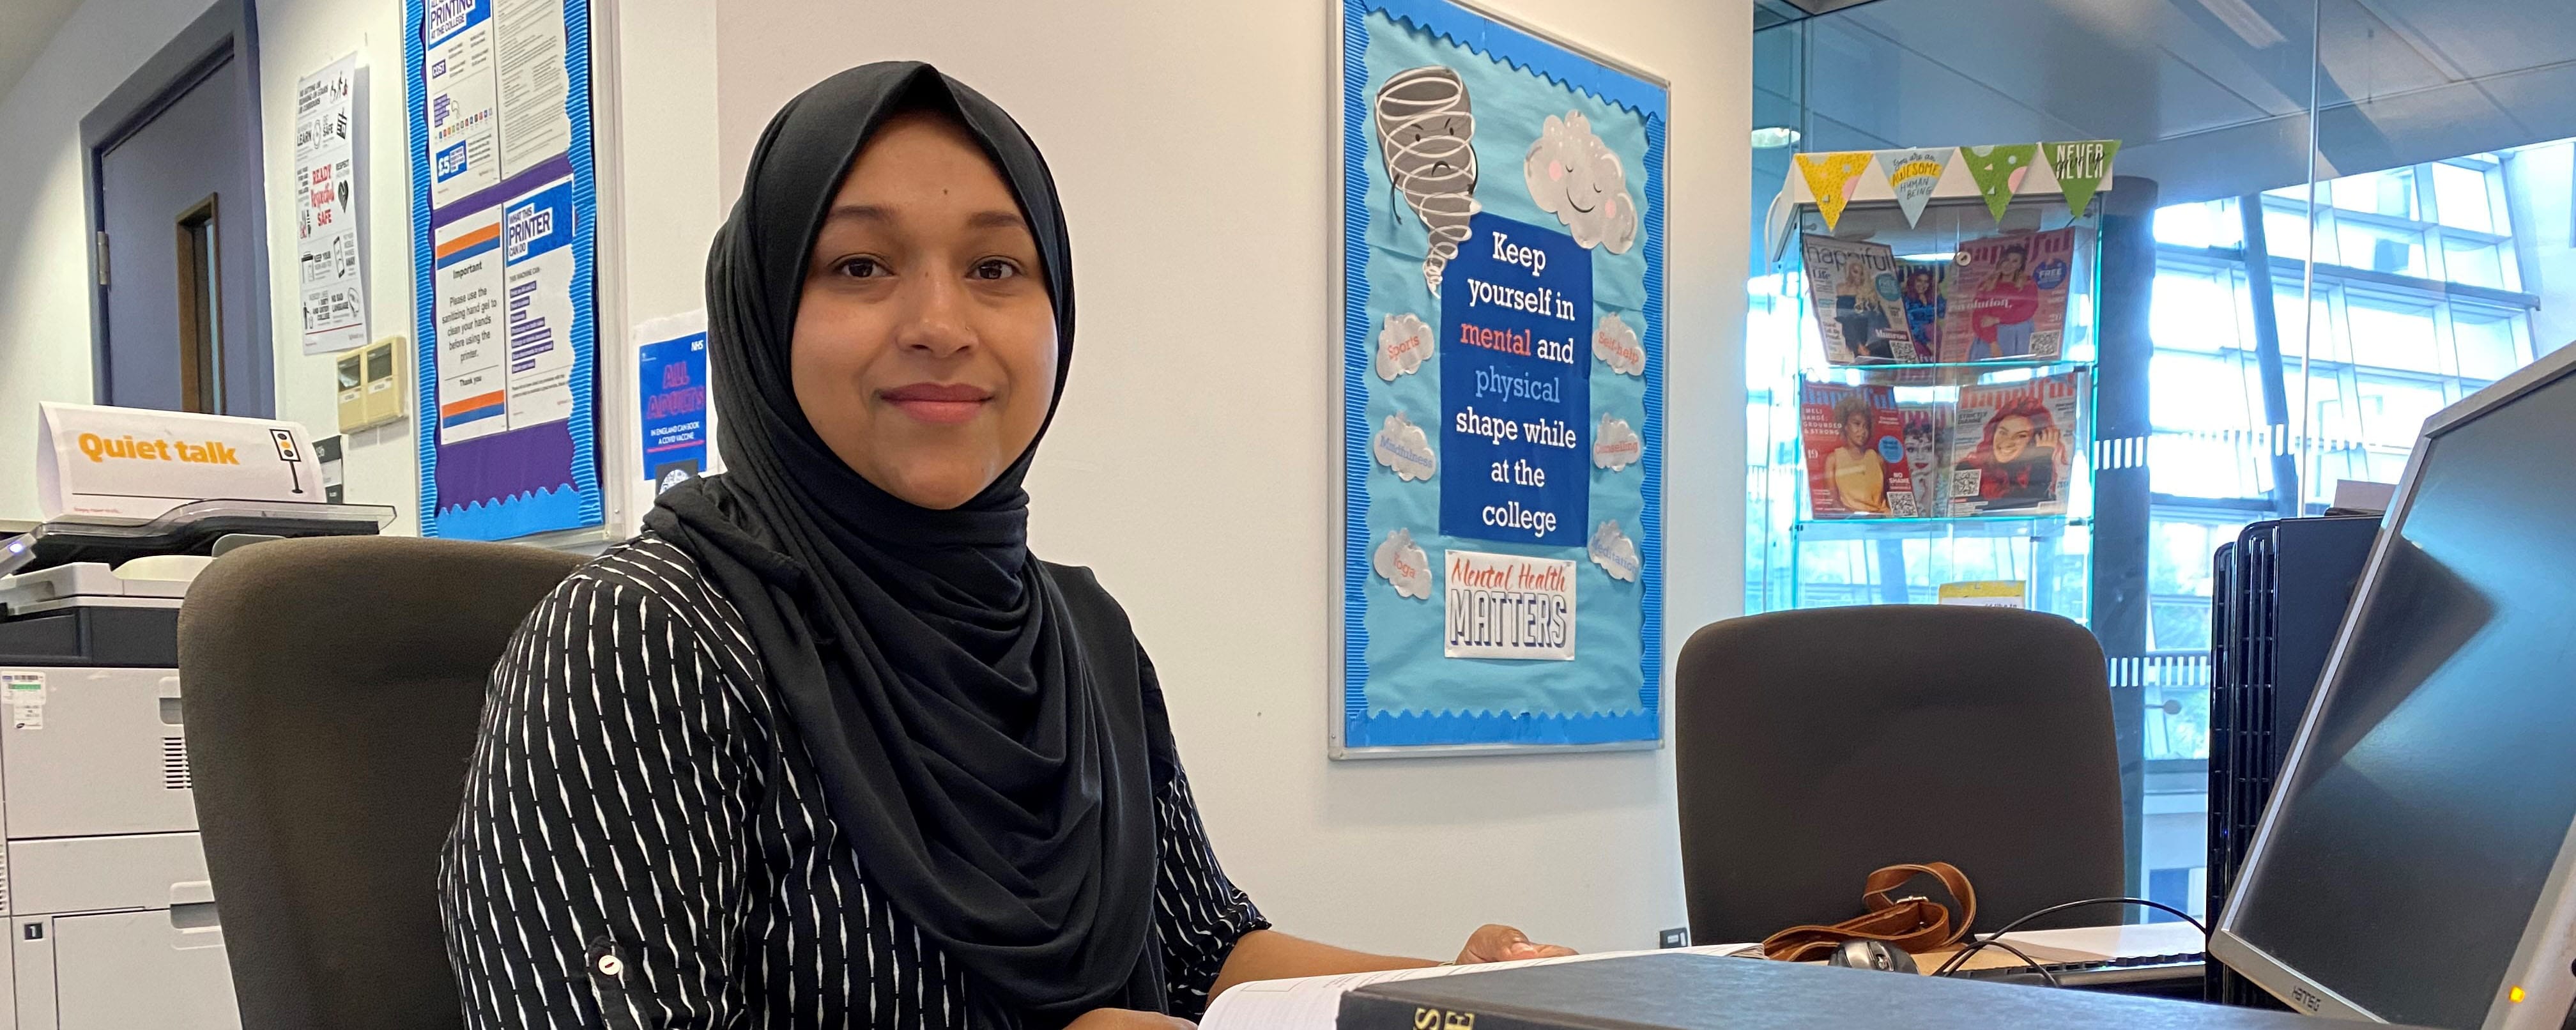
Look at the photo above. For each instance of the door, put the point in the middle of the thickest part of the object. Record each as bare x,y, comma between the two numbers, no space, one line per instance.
181,283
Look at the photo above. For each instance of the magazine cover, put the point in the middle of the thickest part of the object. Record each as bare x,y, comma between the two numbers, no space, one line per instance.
2014,446
1852,287
2008,295
1920,288
1855,446
1927,449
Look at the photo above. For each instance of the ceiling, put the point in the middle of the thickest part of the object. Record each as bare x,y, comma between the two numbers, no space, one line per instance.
25,27
2209,97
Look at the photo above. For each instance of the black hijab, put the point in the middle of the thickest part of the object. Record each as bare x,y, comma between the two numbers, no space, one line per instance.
980,737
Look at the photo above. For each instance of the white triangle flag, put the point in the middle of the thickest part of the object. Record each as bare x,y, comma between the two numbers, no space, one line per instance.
1913,174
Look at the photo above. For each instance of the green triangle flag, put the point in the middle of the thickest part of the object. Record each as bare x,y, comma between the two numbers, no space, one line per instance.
1998,171
2081,165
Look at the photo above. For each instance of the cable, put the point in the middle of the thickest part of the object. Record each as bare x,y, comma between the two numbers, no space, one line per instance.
2033,963
1995,937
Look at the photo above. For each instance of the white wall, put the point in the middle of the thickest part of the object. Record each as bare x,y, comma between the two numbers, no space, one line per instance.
1190,141
44,234
298,38
657,165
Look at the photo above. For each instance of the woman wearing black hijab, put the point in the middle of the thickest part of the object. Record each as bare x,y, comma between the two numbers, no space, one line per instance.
825,745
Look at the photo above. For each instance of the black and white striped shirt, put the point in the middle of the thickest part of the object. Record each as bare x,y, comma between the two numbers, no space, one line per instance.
637,851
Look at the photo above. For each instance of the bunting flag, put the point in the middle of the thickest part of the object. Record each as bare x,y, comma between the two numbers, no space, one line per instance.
1999,171
1832,178
2080,166
1913,174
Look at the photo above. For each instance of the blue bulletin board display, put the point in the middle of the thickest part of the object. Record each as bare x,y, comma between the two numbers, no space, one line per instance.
504,220
1501,389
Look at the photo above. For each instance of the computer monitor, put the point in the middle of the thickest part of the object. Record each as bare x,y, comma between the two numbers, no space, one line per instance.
2414,864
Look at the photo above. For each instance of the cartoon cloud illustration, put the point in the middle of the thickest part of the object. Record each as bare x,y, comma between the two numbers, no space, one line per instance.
1616,345
1424,127
1404,566
1405,449
1577,178
1613,551
1403,343
1615,445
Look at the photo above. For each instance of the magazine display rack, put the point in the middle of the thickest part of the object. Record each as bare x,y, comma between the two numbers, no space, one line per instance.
1987,351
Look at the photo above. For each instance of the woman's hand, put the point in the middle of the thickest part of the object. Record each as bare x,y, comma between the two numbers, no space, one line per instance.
1491,943
1128,1019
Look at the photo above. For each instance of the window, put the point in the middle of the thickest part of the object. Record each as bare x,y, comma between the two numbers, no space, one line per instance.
2385,341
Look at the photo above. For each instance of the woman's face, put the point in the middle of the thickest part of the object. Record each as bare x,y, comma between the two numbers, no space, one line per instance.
1856,428
924,351
2012,264
2012,438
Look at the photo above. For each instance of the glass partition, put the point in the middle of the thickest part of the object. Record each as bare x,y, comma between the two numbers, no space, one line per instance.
2339,218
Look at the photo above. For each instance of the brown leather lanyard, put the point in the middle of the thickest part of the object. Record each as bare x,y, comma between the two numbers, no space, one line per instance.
1913,925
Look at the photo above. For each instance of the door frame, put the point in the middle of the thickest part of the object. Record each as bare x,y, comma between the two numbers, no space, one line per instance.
225,32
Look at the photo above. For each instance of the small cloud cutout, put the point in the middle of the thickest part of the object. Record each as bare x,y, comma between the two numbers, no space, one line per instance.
1403,344
1613,551
1401,562
1616,345
1404,448
1577,178
1615,445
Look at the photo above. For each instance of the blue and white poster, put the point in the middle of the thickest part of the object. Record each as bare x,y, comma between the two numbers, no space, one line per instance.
1501,387
673,409
504,244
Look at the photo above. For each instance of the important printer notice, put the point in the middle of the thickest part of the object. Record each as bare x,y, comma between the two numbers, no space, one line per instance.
1509,606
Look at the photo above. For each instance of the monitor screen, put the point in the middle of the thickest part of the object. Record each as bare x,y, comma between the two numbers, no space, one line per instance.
2413,838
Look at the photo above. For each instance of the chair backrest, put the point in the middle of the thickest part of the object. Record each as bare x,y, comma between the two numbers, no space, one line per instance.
1814,746
333,689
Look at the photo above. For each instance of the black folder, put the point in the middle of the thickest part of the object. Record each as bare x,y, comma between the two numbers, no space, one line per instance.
1684,991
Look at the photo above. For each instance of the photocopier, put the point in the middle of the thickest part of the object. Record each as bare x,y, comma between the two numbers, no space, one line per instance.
112,923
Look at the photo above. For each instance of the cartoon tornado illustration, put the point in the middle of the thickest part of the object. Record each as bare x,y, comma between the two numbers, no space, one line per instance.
1424,127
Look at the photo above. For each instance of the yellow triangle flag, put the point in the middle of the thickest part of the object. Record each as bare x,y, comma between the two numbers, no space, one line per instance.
1832,178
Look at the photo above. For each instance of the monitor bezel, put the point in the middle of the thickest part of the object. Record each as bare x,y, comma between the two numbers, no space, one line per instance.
2230,947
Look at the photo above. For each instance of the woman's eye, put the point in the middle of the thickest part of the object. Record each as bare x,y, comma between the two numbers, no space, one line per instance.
861,268
995,268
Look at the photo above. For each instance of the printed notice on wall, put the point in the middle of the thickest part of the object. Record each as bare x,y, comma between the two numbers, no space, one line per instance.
330,279
508,336
1515,315
1509,606
464,125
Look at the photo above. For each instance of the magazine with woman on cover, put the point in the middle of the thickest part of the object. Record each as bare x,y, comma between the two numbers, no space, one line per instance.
2008,295
1855,446
2017,444
1852,287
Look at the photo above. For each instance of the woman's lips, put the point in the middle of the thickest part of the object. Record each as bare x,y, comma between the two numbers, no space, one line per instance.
945,404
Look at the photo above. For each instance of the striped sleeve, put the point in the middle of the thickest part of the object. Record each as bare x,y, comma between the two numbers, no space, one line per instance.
593,877
1198,913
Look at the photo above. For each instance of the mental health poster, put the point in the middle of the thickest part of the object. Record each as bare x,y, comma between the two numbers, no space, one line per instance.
1502,362
504,214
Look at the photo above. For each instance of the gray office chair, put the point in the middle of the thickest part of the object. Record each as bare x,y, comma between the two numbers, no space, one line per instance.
333,688
1812,747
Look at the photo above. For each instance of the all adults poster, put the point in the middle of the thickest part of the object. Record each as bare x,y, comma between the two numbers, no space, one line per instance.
1502,362
503,246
